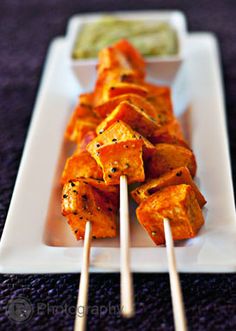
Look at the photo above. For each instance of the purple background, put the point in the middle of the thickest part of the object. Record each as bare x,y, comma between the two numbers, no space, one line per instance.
27,27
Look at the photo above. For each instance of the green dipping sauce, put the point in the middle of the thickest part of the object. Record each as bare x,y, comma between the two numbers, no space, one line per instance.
150,38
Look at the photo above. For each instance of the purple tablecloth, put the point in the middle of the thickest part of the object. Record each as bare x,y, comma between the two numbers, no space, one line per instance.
27,27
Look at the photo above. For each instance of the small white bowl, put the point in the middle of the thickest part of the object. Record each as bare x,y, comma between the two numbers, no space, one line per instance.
163,68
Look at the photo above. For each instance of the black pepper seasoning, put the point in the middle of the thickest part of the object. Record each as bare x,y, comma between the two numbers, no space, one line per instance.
178,174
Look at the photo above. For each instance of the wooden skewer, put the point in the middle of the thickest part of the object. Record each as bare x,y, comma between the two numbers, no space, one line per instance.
127,304
80,320
176,294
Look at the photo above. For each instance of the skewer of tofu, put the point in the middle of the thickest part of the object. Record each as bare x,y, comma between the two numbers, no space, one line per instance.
126,132
129,149
117,149
119,152
89,205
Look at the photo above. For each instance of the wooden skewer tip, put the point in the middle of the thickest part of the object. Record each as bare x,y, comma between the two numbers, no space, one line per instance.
127,303
81,319
176,293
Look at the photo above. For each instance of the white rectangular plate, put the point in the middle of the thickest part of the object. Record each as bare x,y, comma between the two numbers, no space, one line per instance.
37,239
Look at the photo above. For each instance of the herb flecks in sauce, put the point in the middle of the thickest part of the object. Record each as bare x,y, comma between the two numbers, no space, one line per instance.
151,38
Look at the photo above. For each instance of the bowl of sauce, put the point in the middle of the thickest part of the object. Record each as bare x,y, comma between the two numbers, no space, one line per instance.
158,35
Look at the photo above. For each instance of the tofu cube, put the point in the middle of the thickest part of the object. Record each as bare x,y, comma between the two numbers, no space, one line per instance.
122,158
134,116
160,98
82,145
134,58
175,177
118,132
83,116
81,165
115,89
177,203
107,107
81,127
82,202
168,157
170,133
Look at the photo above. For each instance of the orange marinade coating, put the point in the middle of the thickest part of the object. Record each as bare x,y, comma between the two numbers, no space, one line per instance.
176,203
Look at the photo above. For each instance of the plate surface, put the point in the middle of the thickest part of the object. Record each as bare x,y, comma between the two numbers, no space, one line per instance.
36,239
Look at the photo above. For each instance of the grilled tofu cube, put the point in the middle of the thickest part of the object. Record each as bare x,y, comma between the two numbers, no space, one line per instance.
175,177
83,112
166,138
107,107
160,98
108,79
168,157
115,89
82,202
80,128
122,158
118,132
81,165
113,65
110,59
87,100
82,145
134,58
177,203
130,76
170,133
111,192
135,117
